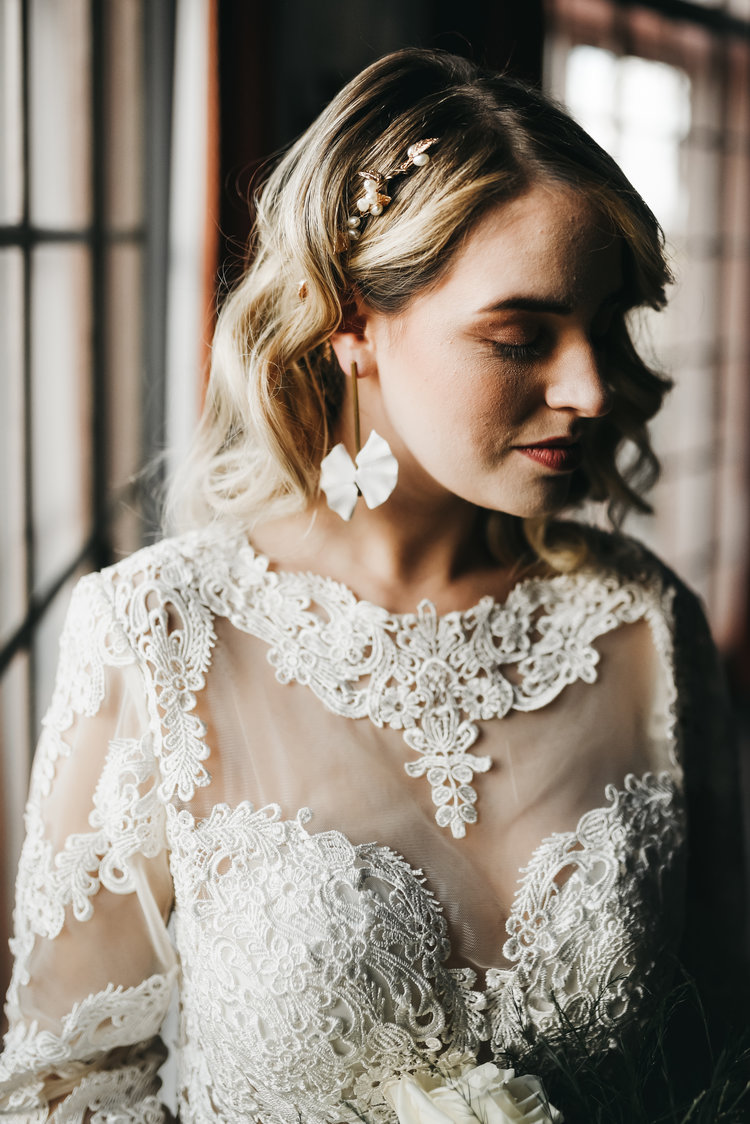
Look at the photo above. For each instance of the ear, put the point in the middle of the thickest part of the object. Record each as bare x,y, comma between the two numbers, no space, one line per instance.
351,340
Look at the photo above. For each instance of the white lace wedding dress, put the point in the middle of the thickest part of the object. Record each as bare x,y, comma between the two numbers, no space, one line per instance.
379,837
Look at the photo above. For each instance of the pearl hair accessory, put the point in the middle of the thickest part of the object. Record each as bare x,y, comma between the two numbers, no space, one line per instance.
376,199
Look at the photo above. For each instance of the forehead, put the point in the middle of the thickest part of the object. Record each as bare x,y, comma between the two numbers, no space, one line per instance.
551,241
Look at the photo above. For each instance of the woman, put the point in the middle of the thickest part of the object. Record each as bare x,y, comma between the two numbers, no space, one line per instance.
401,754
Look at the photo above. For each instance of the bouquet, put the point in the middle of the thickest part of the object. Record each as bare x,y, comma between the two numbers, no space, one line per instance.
481,1093
664,1069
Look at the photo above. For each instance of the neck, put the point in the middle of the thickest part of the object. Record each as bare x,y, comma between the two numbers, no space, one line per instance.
394,555
409,544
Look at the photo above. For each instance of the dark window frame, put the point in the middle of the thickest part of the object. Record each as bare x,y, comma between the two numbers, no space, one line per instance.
158,37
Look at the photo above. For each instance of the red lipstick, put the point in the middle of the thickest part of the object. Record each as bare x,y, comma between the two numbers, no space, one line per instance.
561,454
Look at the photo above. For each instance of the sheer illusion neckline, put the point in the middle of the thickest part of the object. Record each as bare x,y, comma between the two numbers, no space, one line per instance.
362,661
425,605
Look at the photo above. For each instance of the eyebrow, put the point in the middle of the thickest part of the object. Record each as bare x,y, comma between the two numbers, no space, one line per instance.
530,304
545,304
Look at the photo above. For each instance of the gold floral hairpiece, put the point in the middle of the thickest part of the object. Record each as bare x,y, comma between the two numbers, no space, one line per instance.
376,197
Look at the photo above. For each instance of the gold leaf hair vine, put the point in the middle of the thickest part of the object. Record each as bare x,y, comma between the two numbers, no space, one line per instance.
376,198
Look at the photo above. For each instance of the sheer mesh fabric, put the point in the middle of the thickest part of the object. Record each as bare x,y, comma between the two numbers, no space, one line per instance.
278,745
89,980
230,747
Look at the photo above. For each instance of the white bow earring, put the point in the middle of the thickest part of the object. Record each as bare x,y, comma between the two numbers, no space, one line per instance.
372,474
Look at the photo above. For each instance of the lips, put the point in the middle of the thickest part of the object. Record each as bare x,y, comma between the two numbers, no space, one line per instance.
561,454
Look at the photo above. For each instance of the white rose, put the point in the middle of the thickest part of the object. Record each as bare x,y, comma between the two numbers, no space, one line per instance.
483,1093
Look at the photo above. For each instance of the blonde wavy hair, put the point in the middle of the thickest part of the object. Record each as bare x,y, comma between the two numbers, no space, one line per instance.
275,388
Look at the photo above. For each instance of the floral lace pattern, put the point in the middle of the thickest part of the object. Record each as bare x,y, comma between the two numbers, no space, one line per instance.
434,677
126,1096
305,949
126,823
312,969
115,1017
578,948
318,943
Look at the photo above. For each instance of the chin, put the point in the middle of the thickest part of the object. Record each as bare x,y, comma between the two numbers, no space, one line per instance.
536,503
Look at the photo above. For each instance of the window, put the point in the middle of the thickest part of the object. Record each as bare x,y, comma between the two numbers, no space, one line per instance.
83,252
670,99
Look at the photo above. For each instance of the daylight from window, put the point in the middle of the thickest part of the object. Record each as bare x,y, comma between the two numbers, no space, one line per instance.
639,111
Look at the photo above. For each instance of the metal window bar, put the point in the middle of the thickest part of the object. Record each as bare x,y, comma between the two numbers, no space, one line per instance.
159,39
716,20
27,381
157,36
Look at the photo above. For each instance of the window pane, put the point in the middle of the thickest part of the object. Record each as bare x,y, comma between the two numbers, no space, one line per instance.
704,195
653,96
658,533
683,501
61,406
685,425
60,100
124,72
696,500
12,574
692,309
11,172
124,367
590,88
735,307
640,111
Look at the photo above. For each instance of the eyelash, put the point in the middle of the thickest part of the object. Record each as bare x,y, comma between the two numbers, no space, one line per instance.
526,352
521,352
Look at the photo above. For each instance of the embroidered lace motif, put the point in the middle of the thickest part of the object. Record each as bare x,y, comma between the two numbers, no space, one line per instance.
314,968
435,678
115,1017
318,944
578,949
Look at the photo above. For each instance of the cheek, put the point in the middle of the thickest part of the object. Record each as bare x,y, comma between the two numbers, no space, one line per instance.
439,389
492,403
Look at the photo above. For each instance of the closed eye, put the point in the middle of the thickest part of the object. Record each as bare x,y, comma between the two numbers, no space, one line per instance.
521,352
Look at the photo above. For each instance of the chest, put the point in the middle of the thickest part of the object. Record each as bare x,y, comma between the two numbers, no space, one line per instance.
495,835
310,962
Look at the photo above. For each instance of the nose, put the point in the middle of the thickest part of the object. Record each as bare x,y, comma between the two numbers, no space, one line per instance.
575,381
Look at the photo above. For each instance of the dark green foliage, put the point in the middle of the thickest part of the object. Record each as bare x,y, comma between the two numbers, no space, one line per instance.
672,1070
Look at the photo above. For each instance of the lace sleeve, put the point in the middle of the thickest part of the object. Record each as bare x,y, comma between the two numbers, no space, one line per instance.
715,944
94,967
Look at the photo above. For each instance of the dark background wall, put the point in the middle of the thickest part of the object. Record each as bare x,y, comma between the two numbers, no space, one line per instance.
280,64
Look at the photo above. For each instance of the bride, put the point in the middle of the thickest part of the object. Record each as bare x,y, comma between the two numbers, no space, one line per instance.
418,771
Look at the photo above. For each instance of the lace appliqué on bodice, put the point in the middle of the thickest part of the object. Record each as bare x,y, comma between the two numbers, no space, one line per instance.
582,951
305,958
434,678
314,969
311,969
